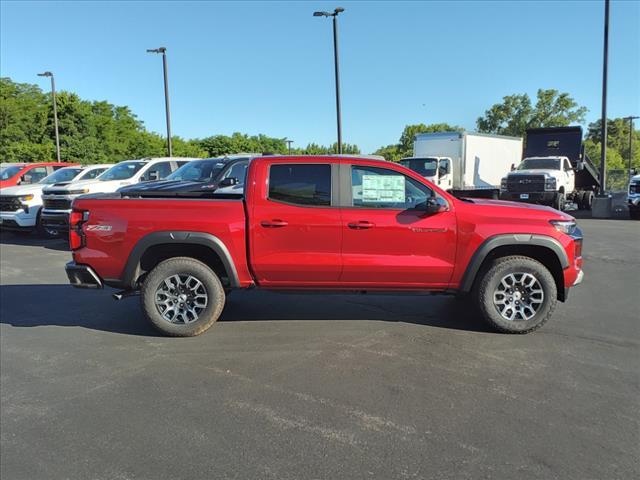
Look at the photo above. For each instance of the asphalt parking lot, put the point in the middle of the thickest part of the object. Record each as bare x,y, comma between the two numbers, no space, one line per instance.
315,386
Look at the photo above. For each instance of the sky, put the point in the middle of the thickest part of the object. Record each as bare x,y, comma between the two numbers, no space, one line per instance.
267,67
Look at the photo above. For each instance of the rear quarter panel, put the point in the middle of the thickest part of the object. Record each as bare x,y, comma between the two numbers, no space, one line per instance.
115,226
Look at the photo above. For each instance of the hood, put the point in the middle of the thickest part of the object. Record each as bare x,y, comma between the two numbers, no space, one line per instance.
506,210
23,189
95,186
540,171
167,186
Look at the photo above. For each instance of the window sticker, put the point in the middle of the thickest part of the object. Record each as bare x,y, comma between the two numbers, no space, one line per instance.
383,189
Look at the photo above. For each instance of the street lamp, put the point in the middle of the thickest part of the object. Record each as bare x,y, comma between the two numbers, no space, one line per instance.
289,142
631,119
334,15
55,110
163,51
603,124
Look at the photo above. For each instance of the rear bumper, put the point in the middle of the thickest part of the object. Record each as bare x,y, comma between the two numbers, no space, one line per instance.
534,197
82,276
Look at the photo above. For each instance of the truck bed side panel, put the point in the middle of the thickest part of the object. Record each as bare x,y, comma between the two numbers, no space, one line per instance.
115,226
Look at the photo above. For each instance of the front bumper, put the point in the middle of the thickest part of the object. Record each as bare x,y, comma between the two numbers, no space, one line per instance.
82,276
19,220
532,197
53,220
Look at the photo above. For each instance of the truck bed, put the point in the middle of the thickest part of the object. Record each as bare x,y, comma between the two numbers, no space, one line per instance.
118,224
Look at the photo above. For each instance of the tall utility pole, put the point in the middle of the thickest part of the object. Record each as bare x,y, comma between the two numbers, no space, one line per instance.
631,119
163,51
605,64
334,15
55,110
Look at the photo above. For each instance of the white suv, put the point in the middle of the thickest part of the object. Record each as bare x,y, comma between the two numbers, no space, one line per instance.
21,205
57,200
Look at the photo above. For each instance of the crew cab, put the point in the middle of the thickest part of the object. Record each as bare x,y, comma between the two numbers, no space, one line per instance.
13,174
324,223
21,205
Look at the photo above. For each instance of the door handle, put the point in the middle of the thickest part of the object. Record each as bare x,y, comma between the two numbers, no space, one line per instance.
361,225
276,223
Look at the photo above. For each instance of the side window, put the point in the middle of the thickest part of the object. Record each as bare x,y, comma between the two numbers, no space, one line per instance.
238,170
444,167
567,166
301,184
181,163
373,187
91,174
35,175
163,169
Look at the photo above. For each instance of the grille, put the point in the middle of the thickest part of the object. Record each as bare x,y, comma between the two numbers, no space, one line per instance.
525,183
57,204
9,203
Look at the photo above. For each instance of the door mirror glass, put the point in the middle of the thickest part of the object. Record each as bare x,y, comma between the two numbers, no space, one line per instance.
431,205
26,178
154,175
513,167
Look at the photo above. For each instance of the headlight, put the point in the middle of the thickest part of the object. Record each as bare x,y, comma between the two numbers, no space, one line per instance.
25,198
503,184
564,226
78,192
550,183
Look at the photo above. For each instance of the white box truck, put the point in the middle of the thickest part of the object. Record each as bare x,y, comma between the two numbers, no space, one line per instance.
465,163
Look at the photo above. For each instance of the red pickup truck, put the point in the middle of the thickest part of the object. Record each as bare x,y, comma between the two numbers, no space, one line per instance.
324,223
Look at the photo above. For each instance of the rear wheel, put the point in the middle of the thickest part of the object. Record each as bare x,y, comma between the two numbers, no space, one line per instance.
587,200
516,294
182,297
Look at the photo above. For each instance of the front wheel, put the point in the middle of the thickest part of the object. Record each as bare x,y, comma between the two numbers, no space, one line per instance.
559,201
182,297
516,294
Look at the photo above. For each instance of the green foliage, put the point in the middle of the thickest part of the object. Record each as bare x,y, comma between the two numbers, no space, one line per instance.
99,132
404,147
516,113
617,143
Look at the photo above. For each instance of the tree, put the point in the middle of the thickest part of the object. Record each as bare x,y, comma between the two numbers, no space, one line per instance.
516,113
617,141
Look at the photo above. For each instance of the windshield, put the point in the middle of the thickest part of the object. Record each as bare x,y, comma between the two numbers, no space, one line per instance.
121,171
8,172
62,175
424,166
198,170
540,163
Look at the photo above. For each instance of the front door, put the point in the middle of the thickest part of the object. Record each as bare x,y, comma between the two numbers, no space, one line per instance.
387,242
295,229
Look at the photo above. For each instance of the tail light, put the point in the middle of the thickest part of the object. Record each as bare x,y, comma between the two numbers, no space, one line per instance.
577,253
76,235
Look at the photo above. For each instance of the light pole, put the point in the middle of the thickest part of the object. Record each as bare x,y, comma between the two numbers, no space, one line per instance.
55,110
289,142
603,124
631,119
334,15
163,51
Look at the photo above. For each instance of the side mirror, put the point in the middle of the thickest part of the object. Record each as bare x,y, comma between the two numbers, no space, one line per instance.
229,182
513,167
579,166
154,175
430,206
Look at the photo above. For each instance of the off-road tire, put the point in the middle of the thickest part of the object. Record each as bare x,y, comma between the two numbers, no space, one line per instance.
486,285
184,266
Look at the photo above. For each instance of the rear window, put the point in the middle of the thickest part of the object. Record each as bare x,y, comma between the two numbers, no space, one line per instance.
304,184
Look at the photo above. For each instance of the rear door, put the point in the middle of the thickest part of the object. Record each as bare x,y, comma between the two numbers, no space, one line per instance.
295,227
387,241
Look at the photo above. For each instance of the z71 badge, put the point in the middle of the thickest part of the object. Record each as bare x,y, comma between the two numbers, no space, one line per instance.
98,228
